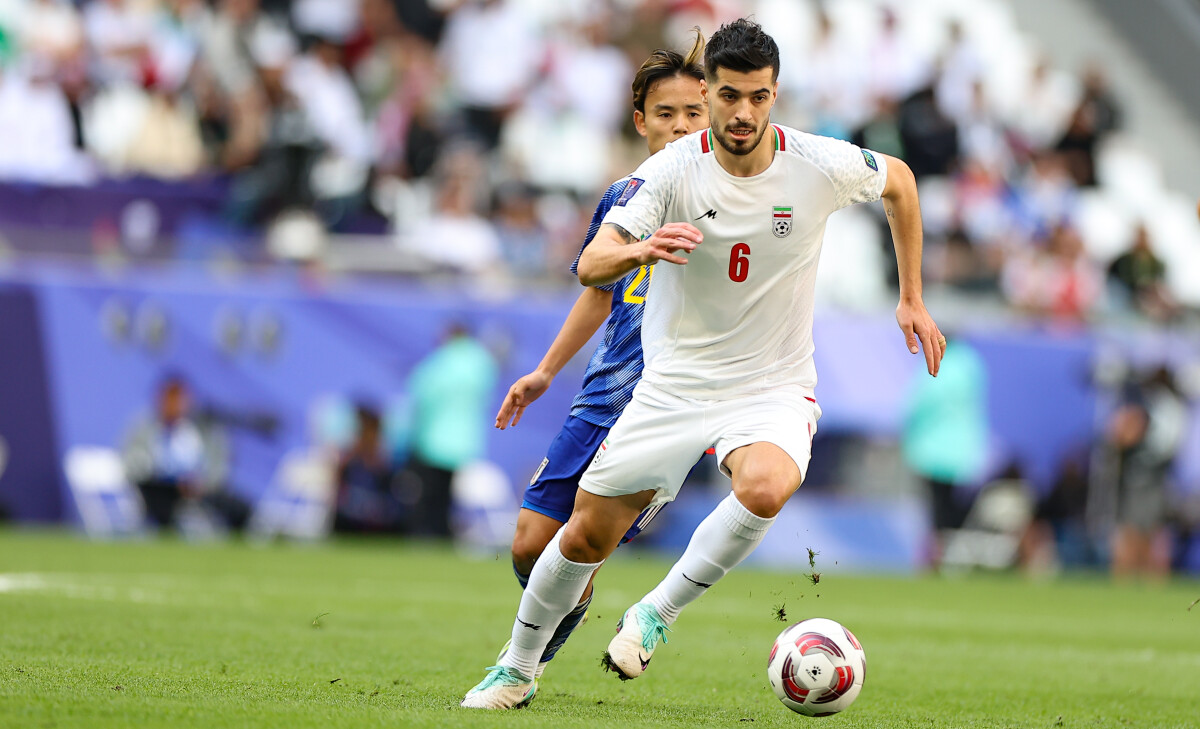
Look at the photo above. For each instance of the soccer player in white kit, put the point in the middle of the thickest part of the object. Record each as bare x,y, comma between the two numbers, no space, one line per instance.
739,211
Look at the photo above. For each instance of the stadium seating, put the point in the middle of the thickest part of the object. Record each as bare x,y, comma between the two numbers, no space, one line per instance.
107,505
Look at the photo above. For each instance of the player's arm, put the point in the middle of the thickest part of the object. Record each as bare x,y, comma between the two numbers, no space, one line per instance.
615,251
904,216
588,313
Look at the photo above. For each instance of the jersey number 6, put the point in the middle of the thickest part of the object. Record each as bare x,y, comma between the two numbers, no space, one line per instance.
739,264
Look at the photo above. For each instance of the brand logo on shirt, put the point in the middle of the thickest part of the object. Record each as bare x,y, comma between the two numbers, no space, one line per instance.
870,160
781,221
631,188
711,215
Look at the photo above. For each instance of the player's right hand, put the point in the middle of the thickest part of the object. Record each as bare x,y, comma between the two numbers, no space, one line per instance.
520,396
667,240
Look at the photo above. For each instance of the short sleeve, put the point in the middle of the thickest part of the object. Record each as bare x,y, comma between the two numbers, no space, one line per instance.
642,207
613,194
858,175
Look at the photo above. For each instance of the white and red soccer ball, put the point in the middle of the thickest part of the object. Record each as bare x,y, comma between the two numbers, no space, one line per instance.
816,667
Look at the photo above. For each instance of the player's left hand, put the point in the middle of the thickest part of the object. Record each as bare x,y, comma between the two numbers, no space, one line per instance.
920,329
520,396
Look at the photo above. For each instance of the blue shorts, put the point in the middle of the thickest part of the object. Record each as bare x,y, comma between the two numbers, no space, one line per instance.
551,492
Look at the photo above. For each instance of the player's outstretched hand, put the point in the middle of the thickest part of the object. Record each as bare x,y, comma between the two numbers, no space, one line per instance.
667,240
520,396
919,329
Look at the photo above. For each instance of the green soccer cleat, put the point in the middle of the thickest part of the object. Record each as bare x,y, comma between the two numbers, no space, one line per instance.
504,651
638,633
504,688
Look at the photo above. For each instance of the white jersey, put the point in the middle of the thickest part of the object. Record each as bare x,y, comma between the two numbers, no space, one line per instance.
737,319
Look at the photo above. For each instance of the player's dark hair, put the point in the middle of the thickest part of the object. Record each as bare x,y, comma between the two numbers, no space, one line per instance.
741,46
664,64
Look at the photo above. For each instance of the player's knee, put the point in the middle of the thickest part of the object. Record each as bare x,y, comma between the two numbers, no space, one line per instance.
764,494
580,544
526,548
763,503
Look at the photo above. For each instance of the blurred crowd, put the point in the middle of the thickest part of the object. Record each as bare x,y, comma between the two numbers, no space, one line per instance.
479,133
365,468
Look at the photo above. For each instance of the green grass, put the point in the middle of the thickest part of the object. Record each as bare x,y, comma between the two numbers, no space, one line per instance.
179,635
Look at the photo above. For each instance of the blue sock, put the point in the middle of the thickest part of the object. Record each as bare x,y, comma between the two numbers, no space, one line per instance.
522,578
565,628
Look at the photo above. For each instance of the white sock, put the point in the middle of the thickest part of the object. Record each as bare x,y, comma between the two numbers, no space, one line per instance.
726,536
555,586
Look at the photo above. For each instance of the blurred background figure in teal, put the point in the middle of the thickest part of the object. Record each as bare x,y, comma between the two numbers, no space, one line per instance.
450,408
945,438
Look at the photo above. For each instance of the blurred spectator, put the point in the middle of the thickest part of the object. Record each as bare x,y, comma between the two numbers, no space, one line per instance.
833,83
1140,441
1040,116
963,265
1060,281
51,32
409,131
930,138
898,67
456,236
524,241
168,143
1059,535
945,436
1096,115
981,135
366,501
882,131
961,75
119,33
179,460
478,34
451,393
236,43
1045,196
1139,277
38,130
329,100
280,157
982,195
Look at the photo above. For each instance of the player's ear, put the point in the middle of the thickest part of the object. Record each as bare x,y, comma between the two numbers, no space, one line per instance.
704,89
639,122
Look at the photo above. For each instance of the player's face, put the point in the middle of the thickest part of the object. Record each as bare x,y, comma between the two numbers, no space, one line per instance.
739,107
674,108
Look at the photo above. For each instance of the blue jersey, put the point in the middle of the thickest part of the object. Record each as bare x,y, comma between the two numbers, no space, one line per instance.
616,366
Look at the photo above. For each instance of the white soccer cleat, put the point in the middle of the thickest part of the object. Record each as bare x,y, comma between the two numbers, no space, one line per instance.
541,666
504,688
638,633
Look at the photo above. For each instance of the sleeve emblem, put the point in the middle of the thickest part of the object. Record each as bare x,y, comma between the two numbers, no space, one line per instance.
635,184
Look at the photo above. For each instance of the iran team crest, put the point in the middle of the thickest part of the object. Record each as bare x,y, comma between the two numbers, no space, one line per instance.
782,223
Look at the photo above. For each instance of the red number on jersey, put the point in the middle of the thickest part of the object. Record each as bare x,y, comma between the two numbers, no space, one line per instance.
739,264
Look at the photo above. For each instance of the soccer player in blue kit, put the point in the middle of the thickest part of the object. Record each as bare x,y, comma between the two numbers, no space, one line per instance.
667,106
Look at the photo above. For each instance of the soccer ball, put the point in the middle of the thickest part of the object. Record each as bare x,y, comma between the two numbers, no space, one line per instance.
816,667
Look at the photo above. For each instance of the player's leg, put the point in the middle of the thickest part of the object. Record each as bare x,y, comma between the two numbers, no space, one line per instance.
639,462
547,504
556,585
534,532
760,452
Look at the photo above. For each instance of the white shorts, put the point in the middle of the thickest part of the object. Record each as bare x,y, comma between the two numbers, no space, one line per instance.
659,437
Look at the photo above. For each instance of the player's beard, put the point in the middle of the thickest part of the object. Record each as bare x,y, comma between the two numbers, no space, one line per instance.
738,147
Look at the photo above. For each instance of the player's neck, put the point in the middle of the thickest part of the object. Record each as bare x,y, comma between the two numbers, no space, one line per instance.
748,165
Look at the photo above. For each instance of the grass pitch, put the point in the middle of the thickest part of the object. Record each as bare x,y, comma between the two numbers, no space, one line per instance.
384,634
